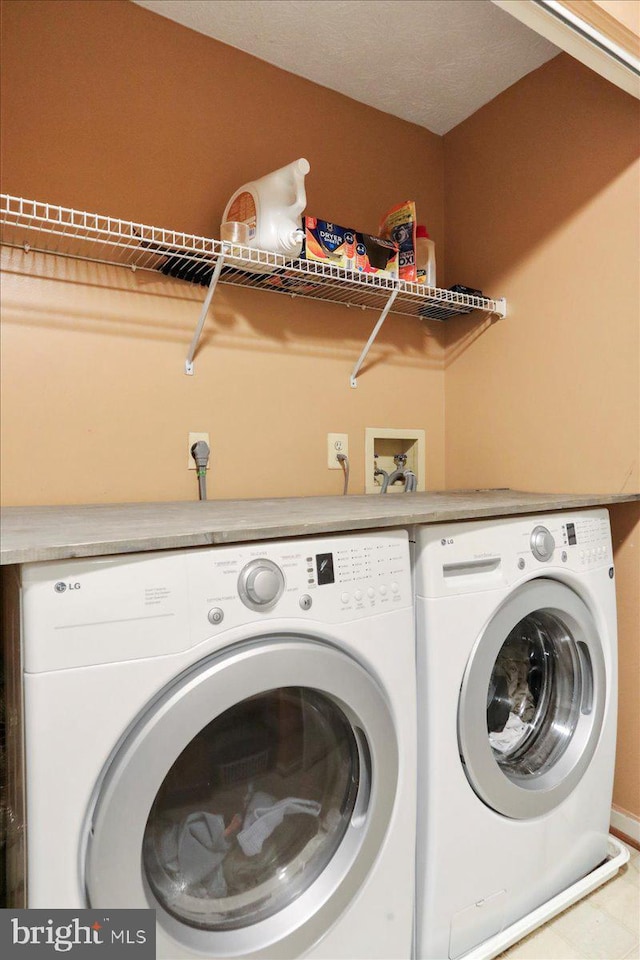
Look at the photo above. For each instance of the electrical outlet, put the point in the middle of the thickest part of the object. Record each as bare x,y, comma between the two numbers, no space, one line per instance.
193,438
336,443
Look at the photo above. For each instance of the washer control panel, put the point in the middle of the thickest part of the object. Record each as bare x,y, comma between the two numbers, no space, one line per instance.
477,555
260,584
542,543
589,536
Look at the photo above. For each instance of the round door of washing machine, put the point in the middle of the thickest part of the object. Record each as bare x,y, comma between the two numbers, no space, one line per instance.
532,700
241,805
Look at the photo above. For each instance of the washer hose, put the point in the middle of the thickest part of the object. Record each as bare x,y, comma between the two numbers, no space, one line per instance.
377,472
408,477
391,478
410,481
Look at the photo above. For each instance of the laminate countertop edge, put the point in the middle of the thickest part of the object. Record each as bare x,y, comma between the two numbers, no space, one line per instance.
37,533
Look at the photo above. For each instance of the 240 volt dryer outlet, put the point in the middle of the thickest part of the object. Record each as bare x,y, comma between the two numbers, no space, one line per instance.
193,438
336,443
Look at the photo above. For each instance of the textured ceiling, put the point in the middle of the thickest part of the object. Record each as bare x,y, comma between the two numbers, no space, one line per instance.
433,62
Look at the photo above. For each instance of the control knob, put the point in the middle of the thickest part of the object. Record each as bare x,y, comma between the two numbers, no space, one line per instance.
261,584
542,543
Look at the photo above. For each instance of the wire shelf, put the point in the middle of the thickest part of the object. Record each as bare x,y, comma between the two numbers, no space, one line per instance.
48,228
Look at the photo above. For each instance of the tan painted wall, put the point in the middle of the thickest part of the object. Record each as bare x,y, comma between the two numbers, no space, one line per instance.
626,11
541,202
112,109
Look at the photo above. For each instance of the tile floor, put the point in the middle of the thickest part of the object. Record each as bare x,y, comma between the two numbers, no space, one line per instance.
605,925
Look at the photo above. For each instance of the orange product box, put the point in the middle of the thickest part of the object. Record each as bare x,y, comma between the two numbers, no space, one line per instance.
329,243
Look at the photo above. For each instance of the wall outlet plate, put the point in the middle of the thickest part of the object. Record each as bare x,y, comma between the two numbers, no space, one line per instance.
193,438
336,443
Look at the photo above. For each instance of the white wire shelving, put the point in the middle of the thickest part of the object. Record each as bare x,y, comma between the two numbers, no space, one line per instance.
47,228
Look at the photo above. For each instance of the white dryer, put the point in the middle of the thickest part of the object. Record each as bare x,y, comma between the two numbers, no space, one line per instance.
227,735
517,688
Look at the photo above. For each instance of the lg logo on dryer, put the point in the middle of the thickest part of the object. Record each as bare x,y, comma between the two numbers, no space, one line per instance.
61,586
446,542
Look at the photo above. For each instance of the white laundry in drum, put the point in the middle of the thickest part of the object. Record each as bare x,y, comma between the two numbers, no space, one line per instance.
264,814
197,845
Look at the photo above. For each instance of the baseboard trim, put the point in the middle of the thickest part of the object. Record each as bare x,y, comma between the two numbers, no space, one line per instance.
625,826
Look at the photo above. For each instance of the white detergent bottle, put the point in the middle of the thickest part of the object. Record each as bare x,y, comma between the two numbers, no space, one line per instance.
272,208
425,257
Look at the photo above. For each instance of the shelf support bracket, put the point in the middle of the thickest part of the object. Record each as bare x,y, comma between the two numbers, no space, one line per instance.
188,366
374,333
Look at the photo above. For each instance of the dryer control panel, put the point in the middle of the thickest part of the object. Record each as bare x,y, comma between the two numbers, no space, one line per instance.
335,580
109,609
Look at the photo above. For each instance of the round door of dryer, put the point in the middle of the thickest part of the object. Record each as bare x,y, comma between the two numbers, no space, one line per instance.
249,802
532,700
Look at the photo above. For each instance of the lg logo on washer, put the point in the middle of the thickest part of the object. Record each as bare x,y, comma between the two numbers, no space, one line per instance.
446,542
61,586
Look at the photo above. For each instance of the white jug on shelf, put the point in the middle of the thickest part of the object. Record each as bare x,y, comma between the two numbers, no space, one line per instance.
272,207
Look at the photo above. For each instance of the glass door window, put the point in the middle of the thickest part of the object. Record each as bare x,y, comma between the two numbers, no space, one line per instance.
253,809
248,801
532,700
534,696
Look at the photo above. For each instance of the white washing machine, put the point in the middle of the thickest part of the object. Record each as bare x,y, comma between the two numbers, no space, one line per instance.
517,688
227,735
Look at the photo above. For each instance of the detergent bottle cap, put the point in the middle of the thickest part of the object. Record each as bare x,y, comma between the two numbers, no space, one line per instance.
421,231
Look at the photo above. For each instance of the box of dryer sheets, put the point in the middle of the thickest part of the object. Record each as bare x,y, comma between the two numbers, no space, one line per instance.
329,243
375,255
